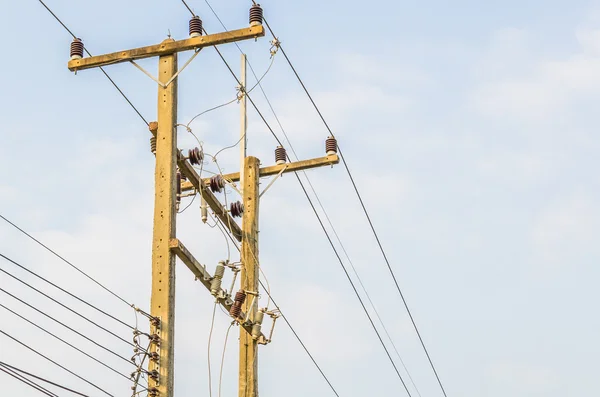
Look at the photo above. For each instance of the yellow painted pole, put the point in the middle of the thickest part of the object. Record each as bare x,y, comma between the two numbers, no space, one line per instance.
248,386
163,260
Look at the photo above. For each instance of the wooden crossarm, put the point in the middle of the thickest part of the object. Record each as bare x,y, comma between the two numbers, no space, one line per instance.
167,47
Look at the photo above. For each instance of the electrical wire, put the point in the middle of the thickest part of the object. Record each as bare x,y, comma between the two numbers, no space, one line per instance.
28,382
223,356
64,260
101,68
65,291
63,341
366,214
55,363
42,379
63,324
212,327
65,306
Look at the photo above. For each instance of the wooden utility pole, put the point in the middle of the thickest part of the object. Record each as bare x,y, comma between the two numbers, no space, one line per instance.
165,245
163,259
248,346
243,119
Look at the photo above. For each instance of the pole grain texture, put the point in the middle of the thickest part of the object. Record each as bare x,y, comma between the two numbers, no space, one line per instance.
163,259
248,385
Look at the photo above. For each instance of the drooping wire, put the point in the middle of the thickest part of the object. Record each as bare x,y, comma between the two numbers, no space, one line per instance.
26,381
223,356
42,379
366,214
63,305
64,260
63,341
212,327
55,363
101,68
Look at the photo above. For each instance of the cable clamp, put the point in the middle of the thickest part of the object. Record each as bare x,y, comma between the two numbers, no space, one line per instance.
275,45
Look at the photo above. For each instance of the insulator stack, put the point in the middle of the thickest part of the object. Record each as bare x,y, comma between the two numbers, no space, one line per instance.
256,15
331,146
196,156
280,155
217,183
195,26
215,285
77,49
236,308
153,144
256,327
237,209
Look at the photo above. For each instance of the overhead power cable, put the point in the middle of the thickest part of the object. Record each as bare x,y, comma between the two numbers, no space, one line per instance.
62,324
60,303
63,341
67,292
65,261
28,382
57,364
42,379
317,197
364,210
101,68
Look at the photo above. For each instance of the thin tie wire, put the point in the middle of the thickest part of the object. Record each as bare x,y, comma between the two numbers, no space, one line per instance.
55,363
223,356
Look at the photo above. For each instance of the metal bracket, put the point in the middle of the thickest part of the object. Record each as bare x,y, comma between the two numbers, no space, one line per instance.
165,85
273,181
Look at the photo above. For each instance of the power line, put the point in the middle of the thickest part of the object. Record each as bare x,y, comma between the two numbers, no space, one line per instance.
64,260
67,292
102,69
28,382
365,212
55,363
63,341
60,303
42,379
317,197
324,229
63,324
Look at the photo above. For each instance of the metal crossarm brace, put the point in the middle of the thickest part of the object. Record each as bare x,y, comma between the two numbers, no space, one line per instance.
205,278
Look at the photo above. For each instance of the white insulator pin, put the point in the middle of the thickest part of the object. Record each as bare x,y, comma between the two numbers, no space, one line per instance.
256,328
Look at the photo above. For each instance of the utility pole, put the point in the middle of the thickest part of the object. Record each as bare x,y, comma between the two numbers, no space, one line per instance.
171,165
248,381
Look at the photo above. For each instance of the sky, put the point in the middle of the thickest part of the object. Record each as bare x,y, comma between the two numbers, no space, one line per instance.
468,126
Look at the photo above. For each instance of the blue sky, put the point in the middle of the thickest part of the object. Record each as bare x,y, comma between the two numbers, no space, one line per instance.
470,128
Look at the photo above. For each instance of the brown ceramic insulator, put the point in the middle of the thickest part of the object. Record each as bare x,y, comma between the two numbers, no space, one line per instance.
196,156
178,186
217,183
237,209
196,26
331,145
235,310
280,155
77,48
240,297
256,15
